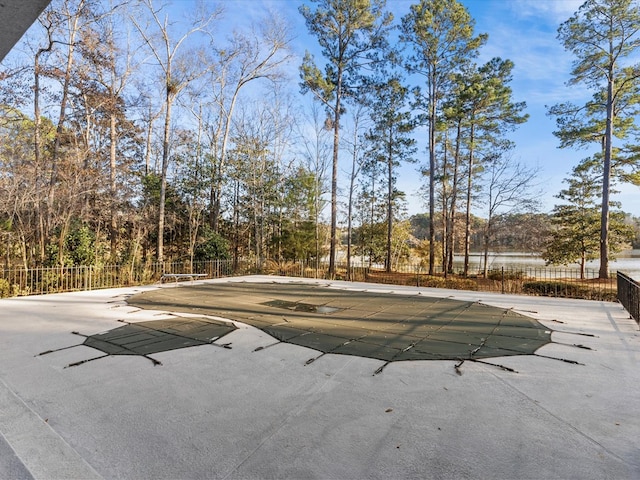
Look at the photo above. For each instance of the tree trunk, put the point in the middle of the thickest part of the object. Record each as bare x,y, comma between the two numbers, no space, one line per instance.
163,178
432,173
467,240
147,153
445,208
606,179
389,202
454,201
486,250
63,104
334,178
37,150
236,225
350,209
113,226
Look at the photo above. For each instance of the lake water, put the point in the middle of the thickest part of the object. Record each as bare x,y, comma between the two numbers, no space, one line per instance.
627,261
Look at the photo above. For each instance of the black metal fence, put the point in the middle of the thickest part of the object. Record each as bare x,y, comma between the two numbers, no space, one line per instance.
556,282
629,295
35,281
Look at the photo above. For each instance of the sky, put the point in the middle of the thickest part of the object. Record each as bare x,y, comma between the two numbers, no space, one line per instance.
523,31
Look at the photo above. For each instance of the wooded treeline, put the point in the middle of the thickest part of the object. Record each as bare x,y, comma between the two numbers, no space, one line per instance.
128,134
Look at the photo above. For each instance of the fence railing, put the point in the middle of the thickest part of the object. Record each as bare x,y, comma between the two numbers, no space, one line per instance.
629,295
35,281
557,282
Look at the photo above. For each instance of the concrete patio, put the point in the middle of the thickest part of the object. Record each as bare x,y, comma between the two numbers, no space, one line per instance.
258,410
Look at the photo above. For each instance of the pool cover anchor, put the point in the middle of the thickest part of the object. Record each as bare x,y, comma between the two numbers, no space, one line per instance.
313,359
264,347
535,354
566,360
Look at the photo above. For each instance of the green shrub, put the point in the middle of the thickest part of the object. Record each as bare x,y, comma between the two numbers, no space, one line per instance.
451,283
557,289
212,246
49,282
508,275
570,290
461,284
5,288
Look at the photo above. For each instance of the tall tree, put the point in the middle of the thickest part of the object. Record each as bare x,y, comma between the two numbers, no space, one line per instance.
63,24
351,33
355,147
179,68
248,57
509,188
296,238
109,65
192,179
72,13
390,140
316,154
604,36
450,179
47,21
486,99
440,35
371,208
21,189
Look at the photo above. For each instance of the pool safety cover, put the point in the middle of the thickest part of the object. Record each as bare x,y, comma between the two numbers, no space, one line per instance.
155,336
385,326
145,338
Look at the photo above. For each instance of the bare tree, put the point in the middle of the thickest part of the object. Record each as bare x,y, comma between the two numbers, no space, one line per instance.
110,63
315,142
47,22
509,187
251,56
356,149
179,68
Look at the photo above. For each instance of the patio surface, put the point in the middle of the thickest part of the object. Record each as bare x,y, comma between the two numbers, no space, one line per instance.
239,403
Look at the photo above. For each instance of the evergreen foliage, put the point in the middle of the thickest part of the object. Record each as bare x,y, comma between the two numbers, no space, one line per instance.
604,36
575,236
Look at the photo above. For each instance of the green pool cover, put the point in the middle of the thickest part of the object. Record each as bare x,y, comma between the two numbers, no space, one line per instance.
145,338
384,326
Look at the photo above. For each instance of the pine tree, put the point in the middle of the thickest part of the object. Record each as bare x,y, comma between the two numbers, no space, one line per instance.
576,222
440,34
390,141
350,33
602,35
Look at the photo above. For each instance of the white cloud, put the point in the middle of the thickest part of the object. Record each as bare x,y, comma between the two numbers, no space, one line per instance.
552,10
542,65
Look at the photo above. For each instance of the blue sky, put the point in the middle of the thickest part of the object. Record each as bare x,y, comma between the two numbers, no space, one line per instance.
523,31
